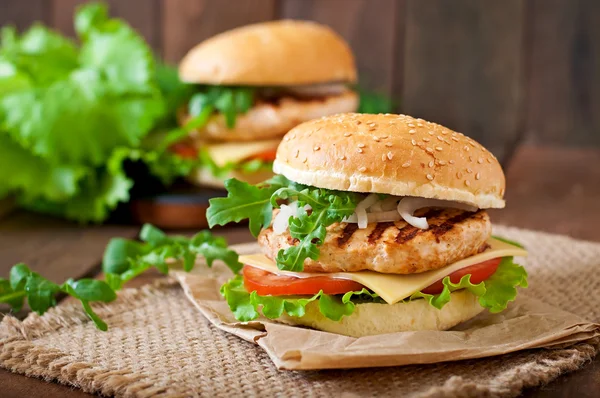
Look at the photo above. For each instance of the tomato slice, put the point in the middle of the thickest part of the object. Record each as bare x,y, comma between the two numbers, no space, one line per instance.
479,273
266,283
184,150
267,156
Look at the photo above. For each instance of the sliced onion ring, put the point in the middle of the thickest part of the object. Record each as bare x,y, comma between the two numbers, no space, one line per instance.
409,205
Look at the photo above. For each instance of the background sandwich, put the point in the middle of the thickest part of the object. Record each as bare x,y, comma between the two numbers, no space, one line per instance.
375,224
255,83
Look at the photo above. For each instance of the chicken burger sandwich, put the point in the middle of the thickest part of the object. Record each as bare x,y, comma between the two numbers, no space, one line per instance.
255,83
373,224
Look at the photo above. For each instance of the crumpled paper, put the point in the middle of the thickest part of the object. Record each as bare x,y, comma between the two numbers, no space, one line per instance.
527,323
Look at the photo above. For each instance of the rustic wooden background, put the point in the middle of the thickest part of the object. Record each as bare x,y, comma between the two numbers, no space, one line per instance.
504,72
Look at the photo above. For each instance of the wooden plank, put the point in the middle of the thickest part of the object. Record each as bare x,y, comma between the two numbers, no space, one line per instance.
555,190
188,22
464,68
22,13
57,249
369,27
564,83
143,15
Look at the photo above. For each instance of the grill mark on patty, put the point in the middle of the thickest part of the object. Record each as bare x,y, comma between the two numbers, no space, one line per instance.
347,233
409,232
439,230
378,231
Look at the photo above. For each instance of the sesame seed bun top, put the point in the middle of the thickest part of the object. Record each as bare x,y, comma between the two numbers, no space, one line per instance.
277,53
391,154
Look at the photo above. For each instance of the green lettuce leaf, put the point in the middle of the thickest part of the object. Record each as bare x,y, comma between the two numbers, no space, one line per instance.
494,293
248,166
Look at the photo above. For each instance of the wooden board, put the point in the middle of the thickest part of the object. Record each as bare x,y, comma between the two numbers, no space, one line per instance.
188,22
57,249
22,13
369,27
142,15
564,72
555,190
464,67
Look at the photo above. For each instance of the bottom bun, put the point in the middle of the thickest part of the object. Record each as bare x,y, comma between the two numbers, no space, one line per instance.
205,178
373,318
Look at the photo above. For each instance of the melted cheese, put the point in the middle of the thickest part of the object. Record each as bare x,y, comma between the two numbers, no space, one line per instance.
235,152
393,287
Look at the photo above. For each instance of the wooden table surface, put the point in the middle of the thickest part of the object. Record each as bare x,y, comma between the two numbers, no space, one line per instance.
549,189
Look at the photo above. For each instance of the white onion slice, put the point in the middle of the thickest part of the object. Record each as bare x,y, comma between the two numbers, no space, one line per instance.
367,202
281,221
409,205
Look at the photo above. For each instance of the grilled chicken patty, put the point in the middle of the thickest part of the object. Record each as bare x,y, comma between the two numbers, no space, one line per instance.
393,247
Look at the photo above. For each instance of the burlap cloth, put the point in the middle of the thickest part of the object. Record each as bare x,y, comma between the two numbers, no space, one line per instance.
159,345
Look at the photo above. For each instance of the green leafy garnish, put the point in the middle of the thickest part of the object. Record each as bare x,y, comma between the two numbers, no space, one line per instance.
256,203
494,293
510,242
248,166
123,260
246,306
229,101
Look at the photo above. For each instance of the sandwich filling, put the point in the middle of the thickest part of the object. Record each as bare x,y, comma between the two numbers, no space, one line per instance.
322,254
237,128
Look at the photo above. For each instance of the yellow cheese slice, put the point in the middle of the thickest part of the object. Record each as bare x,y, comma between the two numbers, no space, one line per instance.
235,152
392,287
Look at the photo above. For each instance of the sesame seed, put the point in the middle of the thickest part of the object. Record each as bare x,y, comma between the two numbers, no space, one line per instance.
412,131
454,138
361,145
390,155
428,150
420,124
347,134
383,157
480,160
438,148
431,164
305,160
430,133
459,175
442,162
477,176
502,192
297,152
467,183
388,144
439,137
469,170
426,139
343,157
472,144
358,122
406,164
470,158
466,148
316,148
429,177
410,125
359,150
488,160
286,138
451,161
294,134
383,137
413,142
444,132
363,168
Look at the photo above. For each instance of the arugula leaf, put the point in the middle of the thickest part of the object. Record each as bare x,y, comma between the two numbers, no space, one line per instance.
125,259
227,100
245,201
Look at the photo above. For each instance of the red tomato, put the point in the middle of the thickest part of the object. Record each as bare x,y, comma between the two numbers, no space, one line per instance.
184,150
266,283
267,156
479,273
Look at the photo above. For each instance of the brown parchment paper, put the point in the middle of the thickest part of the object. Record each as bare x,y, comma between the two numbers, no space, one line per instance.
527,323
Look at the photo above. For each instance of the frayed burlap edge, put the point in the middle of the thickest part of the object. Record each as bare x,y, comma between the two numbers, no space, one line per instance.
19,354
